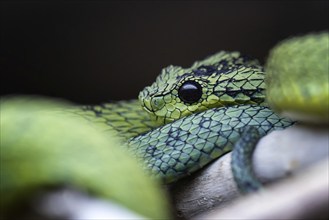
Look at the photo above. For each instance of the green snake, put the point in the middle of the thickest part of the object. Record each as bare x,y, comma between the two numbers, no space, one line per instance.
186,119
192,116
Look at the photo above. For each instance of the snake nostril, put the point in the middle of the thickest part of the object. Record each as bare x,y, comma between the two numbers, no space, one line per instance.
157,103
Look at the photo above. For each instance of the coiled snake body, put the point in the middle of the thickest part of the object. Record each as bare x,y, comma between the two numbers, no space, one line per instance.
198,113
183,121
192,116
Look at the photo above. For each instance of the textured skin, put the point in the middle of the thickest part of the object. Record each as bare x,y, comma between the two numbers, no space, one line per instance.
230,84
232,101
185,145
226,78
243,173
125,119
298,78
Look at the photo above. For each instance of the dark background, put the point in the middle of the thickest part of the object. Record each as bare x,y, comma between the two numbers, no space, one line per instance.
91,52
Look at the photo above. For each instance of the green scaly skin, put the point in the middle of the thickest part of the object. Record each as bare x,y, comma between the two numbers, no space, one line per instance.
178,149
125,119
298,84
241,162
226,79
297,87
199,132
174,138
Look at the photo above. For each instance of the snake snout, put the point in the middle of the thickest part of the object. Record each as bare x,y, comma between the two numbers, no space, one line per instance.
157,103
152,104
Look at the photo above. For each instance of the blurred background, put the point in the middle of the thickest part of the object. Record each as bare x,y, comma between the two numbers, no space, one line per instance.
94,51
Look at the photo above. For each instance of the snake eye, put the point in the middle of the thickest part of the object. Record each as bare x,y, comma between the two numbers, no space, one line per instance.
190,92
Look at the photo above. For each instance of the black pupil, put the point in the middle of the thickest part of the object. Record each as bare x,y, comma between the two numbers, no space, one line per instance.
190,92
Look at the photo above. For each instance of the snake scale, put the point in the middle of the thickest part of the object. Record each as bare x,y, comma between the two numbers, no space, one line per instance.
191,116
186,119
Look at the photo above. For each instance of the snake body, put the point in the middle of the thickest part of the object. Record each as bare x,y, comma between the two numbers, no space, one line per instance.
187,118
186,145
194,115
177,132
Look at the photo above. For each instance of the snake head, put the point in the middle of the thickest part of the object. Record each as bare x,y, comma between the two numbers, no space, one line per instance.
225,78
